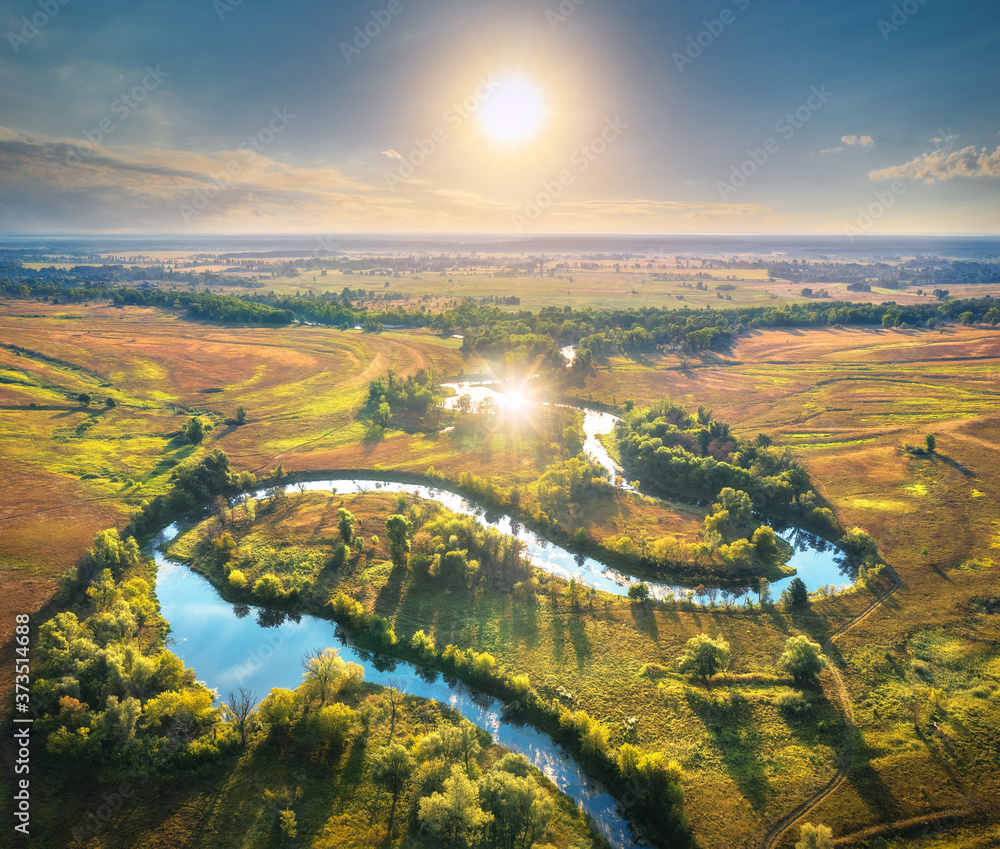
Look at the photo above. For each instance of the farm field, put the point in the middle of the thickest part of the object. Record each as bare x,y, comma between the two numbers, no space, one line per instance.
922,671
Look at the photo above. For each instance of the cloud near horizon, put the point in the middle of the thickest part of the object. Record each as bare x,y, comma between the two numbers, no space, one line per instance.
129,189
970,162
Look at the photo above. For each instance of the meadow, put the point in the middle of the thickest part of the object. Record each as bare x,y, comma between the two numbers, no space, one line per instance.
922,669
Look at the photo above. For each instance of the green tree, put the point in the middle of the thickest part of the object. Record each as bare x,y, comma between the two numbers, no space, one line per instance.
638,592
798,592
453,817
280,709
765,542
815,837
327,674
110,403
392,766
84,399
452,743
345,523
930,442
398,528
520,812
289,828
803,660
331,725
241,415
704,657
194,430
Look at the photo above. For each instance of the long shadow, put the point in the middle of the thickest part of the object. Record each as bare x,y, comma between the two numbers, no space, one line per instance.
731,724
869,786
391,595
581,642
524,620
645,620
558,637
958,467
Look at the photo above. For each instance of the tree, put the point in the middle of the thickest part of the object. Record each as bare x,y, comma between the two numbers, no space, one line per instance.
815,837
241,415
345,523
398,528
803,659
453,816
764,591
331,725
392,766
520,812
451,742
638,592
326,674
239,710
930,442
194,430
798,592
84,399
394,696
110,403
765,542
704,657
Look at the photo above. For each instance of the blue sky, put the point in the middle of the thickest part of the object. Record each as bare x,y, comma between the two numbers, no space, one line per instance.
730,116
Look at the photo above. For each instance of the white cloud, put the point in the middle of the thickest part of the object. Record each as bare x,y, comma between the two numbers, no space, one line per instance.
858,141
838,149
971,162
392,154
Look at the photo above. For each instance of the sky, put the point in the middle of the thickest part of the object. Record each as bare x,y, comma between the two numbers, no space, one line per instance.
500,116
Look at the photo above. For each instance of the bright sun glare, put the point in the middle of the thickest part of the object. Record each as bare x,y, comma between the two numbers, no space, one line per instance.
513,111
513,400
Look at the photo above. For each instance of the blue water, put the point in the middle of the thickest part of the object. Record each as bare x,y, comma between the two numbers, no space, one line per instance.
230,649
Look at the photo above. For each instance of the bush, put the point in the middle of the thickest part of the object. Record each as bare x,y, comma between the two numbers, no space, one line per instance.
237,580
423,645
269,587
703,657
795,703
803,660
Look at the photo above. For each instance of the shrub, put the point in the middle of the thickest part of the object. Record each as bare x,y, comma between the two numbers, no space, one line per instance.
704,657
268,587
423,645
795,703
237,580
802,659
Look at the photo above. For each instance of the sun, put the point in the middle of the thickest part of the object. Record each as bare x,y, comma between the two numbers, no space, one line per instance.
514,400
513,111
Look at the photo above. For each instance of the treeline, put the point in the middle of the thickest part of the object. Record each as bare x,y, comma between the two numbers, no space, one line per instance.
223,309
523,337
697,457
650,781
105,689
406,400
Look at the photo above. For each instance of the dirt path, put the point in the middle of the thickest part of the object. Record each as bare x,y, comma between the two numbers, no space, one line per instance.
846,758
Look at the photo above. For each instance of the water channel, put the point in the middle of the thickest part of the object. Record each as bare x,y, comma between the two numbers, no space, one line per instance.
232,647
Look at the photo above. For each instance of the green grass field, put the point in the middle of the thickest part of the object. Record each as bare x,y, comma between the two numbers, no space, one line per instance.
921,670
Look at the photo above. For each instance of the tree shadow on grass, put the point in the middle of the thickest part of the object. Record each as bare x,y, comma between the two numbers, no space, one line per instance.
869,786
645,620
729,720
391,595
524,620
581,642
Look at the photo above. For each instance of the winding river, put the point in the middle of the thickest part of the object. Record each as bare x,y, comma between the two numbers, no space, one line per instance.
249,647
231,648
